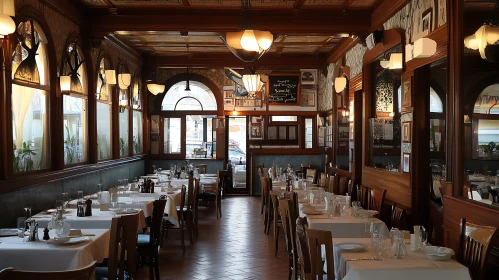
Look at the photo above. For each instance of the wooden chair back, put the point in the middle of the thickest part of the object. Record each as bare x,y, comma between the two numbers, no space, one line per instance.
322,180
363,196
265,191
221,181
123,247
334,184
158,211
302,245
190,191
352,190
196,200
275,206
343,185
311,175
181,206
317,238
288,217
377,200
202,168
475,240
265,172
495,196
85,273
398,214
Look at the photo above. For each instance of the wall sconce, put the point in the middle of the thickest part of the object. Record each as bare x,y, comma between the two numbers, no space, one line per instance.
252,83
467,119
484,36
110,77
123,102
340,83
65,83
7,24
424,48
396,61
124,80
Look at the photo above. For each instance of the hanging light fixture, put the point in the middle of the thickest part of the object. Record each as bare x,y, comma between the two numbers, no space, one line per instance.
7,24
252,83
155,89
248,44
340,83
124,80
110,77
187,83
486,37
396,61
65,83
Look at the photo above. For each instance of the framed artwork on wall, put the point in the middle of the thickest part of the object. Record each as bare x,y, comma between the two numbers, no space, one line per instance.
228,94
406,161
229,102
406,132
406,94
282,133
426,21
308,76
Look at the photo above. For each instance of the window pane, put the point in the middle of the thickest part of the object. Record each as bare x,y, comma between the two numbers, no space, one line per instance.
124,133
172,135
30,129
198,141
284,118
75,130
104,131
198,92
308,133
137,132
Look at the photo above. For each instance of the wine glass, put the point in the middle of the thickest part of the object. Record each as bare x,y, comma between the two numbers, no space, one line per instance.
21,226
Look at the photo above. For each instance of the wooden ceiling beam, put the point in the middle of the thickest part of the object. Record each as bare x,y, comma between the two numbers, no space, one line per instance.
144,43
385,11
288,24
298,4
269,61
340,50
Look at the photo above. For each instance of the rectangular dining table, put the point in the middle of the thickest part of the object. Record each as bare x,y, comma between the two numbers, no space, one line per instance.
98,220
414,266
41,256
133,201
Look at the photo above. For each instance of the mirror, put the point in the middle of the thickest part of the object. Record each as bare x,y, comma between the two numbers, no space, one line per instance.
385,130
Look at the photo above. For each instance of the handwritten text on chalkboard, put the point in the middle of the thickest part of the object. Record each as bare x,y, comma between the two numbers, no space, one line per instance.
283,89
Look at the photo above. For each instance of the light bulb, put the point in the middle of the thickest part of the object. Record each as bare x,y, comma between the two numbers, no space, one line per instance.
264,39
65,82
248,41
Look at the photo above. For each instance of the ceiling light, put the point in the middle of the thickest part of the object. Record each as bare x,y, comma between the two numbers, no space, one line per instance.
8,8
124,80
484,36
340,83
252,83
248,41
155,89
264,39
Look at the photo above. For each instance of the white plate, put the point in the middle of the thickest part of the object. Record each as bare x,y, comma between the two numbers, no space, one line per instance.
58,241
70,241
126,211
353,247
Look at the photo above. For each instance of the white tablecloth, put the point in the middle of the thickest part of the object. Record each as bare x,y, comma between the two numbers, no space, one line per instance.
98,220
414,266
343,227
40,256
139,202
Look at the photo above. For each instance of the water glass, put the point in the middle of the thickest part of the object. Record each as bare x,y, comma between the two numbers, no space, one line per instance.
21,226
65,198
378,244
423,237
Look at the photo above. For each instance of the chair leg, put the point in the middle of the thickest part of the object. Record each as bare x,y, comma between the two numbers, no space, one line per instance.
151,269
276,240
182,237
290,269
156,267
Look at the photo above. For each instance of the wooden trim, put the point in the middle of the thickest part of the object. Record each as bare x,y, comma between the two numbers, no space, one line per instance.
67,10
273,113
285,151
23,182
440,36
355,83
397,185
124,47
391,38
340,172
385,11
339,51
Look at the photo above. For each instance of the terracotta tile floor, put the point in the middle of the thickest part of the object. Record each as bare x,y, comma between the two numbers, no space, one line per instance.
233,247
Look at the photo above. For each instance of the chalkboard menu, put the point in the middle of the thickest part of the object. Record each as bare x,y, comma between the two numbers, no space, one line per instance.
284,89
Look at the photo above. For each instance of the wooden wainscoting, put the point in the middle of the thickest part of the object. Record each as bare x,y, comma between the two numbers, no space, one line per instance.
397,185
457,208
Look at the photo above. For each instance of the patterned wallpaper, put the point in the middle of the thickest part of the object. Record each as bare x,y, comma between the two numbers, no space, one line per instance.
325,89
215,75
59,26
354,59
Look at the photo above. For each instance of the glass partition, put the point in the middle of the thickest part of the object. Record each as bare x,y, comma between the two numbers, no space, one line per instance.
172,137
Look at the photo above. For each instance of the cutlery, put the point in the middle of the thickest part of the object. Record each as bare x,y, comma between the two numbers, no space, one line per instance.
365,259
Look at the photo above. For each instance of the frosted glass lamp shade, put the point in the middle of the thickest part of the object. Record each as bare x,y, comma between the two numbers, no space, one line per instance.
8,8
340,83
396,61
248,41
234,39
470,42
385,63
155,88
424,48
7,25
65,82
110,77
252,83
264,39
124,80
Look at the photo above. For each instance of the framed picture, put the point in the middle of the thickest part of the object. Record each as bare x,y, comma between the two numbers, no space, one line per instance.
272,132
426,21
292,132
228,94
406,162
308,93
229,102
406,94
308,76
406,132
256,132
282,133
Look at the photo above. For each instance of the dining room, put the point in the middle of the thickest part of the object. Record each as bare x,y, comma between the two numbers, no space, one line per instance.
208,139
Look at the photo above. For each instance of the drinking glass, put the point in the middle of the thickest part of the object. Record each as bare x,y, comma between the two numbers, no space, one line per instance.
379,245
114,200
65,198
423,237
21,226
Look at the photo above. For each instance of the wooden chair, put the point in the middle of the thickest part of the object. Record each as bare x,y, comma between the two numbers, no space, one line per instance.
202,168
376,201
363,196
398,214
343,185
352,190
195,210
334,184
317,238
85,273
495,196
267,204
322,180
148,244
265,172
287,211
276,220
302,247
122,257
475,240
221,179
181,222
311,175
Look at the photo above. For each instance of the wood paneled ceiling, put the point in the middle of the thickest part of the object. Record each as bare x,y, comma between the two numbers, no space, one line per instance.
303,29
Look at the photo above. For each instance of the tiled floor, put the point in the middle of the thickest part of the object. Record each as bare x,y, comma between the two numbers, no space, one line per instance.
233,247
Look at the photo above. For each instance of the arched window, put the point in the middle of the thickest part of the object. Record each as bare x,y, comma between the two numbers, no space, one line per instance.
75,106
124,116
137,116
487,101
488,128
30,92
104,105
436,105
199,98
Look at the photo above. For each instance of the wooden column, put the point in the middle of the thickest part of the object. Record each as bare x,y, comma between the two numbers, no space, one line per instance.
115,119
3,110
455,126
358,136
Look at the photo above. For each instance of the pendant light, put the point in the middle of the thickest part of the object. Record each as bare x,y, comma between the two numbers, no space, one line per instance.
7,24
187,84
252,83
